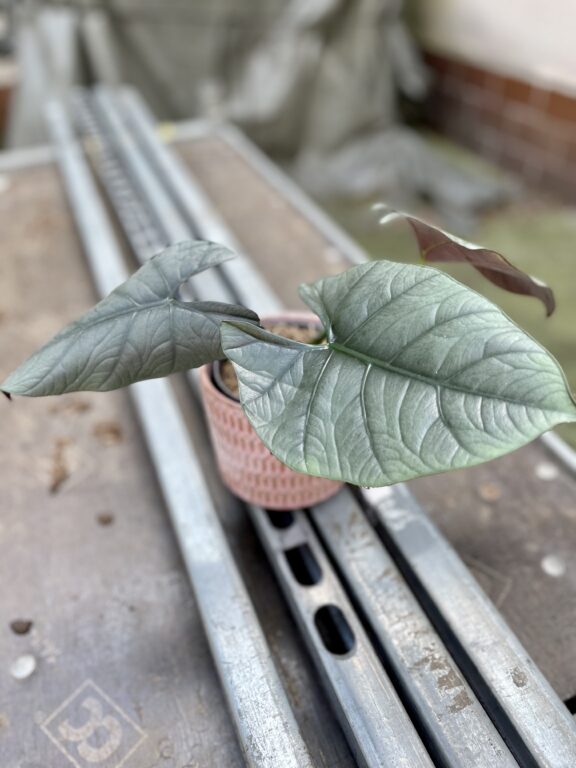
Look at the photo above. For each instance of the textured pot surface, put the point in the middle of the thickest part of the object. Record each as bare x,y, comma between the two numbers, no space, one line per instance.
247,467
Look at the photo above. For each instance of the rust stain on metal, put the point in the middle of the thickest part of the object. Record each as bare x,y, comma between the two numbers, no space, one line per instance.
460,702
519,677
447,680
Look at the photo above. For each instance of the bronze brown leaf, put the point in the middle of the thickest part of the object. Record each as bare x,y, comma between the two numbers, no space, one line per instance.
438,246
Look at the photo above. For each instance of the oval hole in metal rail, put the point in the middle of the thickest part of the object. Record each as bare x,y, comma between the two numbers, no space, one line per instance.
280,519
571,704
336,633
303,564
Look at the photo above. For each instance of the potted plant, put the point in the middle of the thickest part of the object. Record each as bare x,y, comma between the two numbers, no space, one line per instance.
411,374
246,465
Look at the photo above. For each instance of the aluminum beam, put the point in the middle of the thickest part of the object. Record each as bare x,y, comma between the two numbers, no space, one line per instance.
370,712
455,722
533,720
264,721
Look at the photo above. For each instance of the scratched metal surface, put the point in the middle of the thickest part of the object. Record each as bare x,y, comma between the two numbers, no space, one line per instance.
513,520
87,555
86,552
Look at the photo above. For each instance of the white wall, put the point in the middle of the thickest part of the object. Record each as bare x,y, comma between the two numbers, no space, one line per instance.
534,40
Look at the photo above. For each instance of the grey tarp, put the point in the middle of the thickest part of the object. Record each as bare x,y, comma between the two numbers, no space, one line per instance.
315,82
329,70
169,49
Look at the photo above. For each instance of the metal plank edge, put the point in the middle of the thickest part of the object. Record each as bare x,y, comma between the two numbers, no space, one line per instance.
370,712
423,667
500,670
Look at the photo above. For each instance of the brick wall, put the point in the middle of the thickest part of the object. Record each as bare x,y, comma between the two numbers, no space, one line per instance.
525,128
7,81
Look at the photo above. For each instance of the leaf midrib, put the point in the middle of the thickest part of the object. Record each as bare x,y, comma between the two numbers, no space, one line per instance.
404,372
133,310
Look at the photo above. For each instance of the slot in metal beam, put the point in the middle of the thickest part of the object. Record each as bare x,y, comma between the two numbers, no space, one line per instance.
370,712
534,721
455,722
206,286
249,286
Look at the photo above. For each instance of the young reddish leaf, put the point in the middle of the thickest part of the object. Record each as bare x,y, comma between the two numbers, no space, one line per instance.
441,247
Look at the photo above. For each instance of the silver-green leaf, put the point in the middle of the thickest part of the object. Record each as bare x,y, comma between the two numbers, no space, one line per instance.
140,331
419,375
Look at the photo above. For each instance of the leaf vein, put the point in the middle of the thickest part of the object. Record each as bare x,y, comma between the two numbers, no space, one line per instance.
413,375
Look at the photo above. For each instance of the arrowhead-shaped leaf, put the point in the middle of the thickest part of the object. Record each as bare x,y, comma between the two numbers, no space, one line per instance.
420,375
140,331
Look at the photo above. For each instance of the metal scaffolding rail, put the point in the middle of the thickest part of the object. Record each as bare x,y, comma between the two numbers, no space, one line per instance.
418,665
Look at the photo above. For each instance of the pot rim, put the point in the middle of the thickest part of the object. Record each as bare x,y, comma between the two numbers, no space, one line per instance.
294,317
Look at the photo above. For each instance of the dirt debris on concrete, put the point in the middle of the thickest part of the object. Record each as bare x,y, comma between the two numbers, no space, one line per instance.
105,519
74,406
60,471
108,432
21,626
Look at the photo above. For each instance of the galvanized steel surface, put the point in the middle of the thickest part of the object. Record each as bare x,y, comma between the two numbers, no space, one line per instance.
535,723
175,228
374,744
370,711
456,723
249,287
487,735
265,723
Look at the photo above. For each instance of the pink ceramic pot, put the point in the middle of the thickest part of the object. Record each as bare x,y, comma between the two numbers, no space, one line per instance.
247,467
